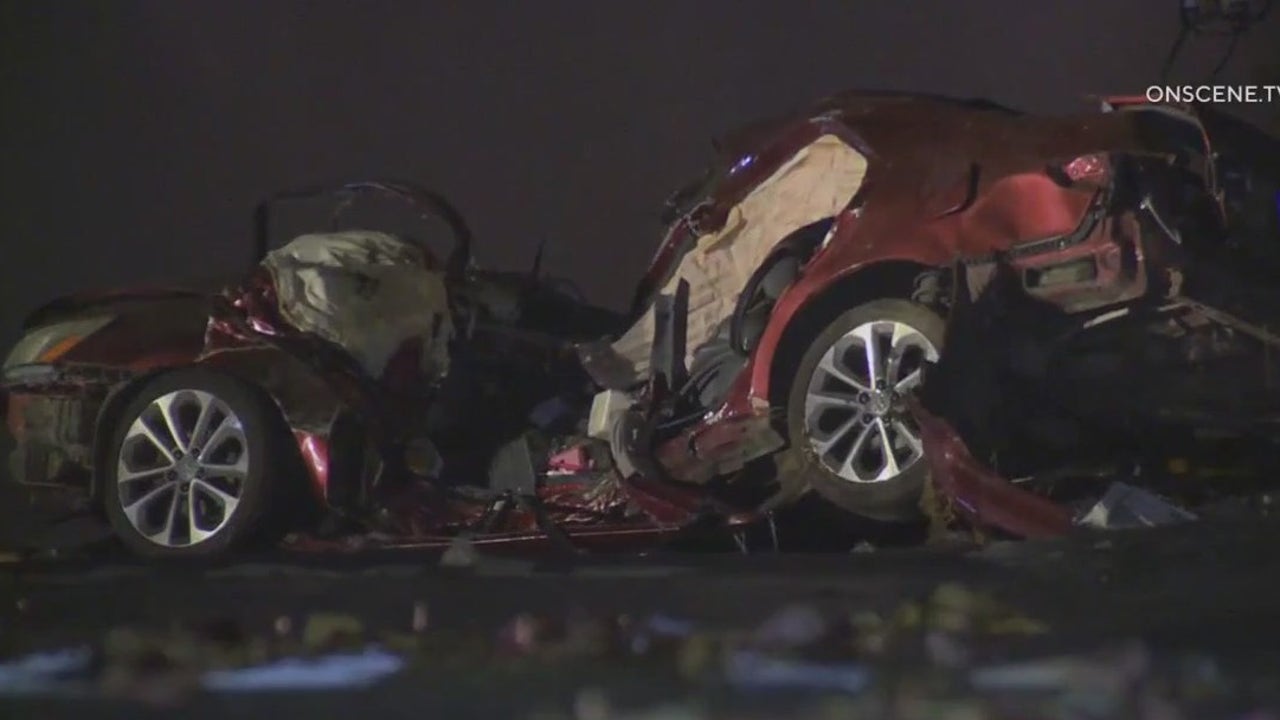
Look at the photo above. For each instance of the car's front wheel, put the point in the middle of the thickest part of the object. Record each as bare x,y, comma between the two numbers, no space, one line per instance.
851,437
190,466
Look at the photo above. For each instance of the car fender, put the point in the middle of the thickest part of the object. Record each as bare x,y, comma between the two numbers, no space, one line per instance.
846,258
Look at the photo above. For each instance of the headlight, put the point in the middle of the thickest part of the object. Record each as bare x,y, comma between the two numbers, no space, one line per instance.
48,343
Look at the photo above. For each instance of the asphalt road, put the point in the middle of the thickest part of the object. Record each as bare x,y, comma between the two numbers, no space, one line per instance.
1204,588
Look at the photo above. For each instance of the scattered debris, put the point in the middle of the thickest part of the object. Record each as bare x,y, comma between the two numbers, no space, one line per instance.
592,704
461,553
328,672
793,626
325,631
420,617
669,626
927,658
1126,506
750,670
42,672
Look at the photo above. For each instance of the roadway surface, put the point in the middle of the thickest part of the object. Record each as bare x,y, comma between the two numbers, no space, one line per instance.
1204,588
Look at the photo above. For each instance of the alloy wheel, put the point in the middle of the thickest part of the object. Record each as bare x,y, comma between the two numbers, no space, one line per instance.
854,415
181,468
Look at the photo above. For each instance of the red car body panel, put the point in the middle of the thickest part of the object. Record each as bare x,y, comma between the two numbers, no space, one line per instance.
981,496
945,184
314,450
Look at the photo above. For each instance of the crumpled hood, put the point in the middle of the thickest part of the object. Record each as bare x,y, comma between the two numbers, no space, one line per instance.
78,303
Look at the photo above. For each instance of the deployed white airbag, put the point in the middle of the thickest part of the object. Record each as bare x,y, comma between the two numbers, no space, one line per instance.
368,292
817,183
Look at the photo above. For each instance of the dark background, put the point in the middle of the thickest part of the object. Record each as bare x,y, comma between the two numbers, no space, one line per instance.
138,135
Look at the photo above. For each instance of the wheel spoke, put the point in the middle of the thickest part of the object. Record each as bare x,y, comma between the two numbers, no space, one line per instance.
909,437
830,366
166,404
910,382
132,508
124,475
227,429
201,428
195,533
850,463
227,500
890,467
824,445
871,346
135,510
165,534
822,399
237,469
904,339
141,429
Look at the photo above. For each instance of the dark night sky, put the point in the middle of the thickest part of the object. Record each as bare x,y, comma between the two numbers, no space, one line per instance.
138,135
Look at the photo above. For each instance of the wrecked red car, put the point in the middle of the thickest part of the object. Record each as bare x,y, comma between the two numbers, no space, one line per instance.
779,343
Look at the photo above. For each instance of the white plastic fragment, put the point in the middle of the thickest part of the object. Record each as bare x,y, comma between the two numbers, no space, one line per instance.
606,407
751,670
42,672
330,672
1126,506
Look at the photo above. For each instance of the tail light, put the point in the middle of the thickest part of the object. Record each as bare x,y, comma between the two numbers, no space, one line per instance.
1095,168
1087,167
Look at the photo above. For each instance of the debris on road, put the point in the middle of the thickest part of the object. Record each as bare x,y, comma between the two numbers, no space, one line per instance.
327,672
44,672
324,631
461,553
942,655
1126,506
752,671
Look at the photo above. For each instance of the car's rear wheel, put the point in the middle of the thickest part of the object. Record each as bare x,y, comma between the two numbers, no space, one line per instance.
850,436
190,466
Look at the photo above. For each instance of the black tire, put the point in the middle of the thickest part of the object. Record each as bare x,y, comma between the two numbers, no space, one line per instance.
249,519
892,499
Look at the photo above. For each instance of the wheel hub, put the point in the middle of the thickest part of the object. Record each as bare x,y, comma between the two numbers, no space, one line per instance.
881,402
187,469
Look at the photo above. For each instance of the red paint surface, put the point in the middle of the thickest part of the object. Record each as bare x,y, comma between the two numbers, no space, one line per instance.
983,497
314,449
944,182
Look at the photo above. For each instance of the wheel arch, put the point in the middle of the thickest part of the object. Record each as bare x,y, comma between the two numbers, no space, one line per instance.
278,378
118,398
893,279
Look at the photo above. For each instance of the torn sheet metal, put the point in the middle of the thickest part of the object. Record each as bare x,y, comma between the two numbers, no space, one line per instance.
368,292
979,494
817,183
